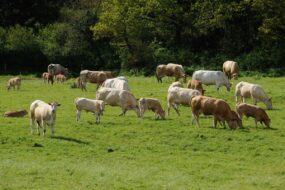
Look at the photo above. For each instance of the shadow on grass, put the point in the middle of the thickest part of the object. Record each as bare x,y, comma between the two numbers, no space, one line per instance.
70,139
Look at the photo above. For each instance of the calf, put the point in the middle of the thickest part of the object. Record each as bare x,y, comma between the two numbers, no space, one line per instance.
14,82
216,107
44,114
60,78
256,112
153,105
47,77
195,84
89,105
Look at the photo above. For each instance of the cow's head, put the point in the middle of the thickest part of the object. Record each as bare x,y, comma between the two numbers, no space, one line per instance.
268,103
235,76
54,106
228,86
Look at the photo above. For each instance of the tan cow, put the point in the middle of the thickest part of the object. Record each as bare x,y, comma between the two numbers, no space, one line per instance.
256,112
152,104
47,78
60,78
171,70
231,69
195,84
216,107
97,77
14,82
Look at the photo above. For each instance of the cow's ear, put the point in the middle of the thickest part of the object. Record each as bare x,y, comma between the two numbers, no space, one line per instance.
49,103
270,99
58,104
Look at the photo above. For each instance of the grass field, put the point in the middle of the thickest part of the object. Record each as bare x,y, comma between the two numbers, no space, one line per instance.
134,153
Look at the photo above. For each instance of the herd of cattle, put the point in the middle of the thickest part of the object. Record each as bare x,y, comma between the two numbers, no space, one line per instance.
115,91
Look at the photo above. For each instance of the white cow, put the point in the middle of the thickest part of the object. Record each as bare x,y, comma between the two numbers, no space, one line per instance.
89,105
43,114
217,78
122,98
178,95
254,91
120,83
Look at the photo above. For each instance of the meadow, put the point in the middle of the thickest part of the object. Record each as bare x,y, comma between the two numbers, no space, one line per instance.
126,152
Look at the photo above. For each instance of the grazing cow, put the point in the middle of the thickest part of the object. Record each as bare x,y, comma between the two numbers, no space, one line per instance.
153,105
14,82
60,78
197,85
177,95
55,69
216,107
254,91
256,112
93,77
217,78
120,83
122,98
231,69
94,106
47,78
78,84
171,70
44,114
20,113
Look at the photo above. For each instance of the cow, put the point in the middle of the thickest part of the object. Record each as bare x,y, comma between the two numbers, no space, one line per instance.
256,112
122,98
217,78
152,104
231,69
197,85
55,69
177,95
89,105
47,77
14,82
20,113
60,78
97,77
217,107
120,83
44,114
171,70
254,91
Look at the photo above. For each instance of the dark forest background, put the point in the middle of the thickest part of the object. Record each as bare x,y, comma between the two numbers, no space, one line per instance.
137,35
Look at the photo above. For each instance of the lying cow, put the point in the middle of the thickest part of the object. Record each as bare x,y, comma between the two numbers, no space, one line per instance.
248,90
231,69
256,112
120,83
44,114
197,85
20,113
14,82
177,95
217,78
171,70
153,105
218,108
55,69
89,105
122,98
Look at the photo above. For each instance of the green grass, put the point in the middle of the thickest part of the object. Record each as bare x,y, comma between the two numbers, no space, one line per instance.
147,153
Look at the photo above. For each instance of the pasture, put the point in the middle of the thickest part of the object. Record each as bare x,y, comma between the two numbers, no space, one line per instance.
126,152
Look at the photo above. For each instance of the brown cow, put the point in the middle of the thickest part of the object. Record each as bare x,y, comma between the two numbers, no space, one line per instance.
256,112
60,78
152,104
20,113
170,70
216,107
197,85
47,77
95,77
231,69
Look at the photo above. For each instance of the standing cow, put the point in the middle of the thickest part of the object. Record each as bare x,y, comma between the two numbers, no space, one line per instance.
217,78
171,70
55,69
231,69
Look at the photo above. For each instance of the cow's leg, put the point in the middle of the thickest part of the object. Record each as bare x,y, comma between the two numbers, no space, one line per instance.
215,122
254,101
97,117
32,122
44,127
217,87
168,108
255,123
197,119
243,99
52,129
124,110
175,106
78,113
38,127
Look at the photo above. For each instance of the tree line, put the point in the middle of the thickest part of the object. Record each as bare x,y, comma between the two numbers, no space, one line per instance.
137,35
